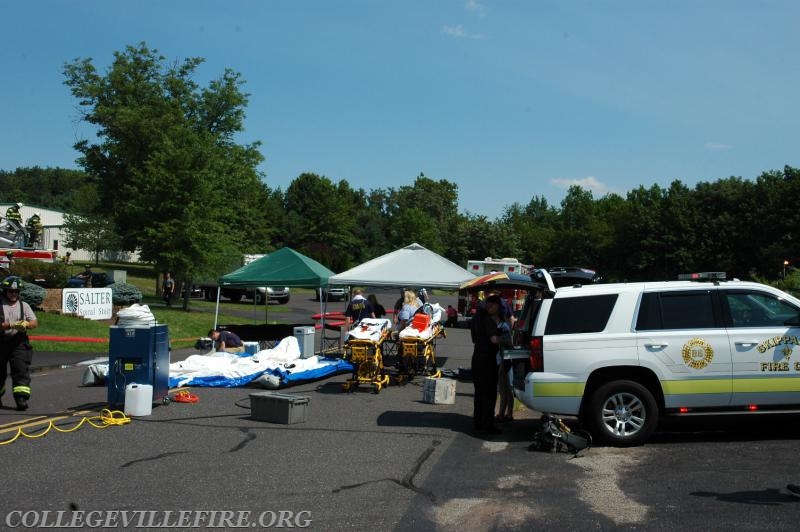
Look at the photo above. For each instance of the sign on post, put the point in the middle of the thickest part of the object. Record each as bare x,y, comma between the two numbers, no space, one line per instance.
91,303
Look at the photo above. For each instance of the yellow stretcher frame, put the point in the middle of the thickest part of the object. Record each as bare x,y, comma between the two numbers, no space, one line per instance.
367,359
418,355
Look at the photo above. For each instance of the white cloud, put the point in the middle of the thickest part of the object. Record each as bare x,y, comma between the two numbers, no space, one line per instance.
590,183
717,146
472,5
459,32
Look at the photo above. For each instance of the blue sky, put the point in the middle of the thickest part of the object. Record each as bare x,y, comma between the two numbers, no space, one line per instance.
509,99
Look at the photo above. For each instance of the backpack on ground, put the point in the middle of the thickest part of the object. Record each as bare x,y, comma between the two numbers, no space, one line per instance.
554,436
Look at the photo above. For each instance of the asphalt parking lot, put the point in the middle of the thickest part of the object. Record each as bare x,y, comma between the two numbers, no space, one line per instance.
363,460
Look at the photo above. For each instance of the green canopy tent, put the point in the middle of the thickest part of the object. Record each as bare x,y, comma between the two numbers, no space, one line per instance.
285,267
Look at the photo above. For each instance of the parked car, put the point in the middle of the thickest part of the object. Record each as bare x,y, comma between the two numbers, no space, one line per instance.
621,356
333,293
99,280
277,293
261,293
196,292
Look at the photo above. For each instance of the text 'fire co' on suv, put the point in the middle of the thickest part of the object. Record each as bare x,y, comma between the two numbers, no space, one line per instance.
620,356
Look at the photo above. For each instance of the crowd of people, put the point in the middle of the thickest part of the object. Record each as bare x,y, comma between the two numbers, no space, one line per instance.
490,329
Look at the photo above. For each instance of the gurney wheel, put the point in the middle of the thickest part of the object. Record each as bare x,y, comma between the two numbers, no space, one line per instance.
376,388
165,401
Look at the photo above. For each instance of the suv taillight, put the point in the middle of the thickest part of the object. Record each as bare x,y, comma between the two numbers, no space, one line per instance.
537,354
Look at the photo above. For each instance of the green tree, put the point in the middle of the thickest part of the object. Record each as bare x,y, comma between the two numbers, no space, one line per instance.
578,229
169,175
534,227
433,204
640,238
776,220
321,219
484,238
51,188
728,211
610,215
679,224
93,233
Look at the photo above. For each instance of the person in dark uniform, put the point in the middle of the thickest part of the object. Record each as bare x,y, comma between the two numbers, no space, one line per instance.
15,347
168,289
358,309
227,341
486,338
377,309
86,276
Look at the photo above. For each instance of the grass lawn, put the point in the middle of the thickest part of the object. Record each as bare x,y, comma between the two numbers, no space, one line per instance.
184,327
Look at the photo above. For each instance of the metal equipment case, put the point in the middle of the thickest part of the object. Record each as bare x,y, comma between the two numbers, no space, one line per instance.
276,407
439,391
140,355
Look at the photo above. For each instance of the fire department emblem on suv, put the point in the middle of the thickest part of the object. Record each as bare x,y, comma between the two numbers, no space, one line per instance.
697,353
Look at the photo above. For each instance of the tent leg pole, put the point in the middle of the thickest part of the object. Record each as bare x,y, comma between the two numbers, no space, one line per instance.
216,311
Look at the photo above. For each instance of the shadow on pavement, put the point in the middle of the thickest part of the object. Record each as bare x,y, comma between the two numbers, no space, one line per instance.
518,431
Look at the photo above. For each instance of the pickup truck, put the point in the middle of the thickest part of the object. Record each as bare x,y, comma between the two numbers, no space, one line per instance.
262,293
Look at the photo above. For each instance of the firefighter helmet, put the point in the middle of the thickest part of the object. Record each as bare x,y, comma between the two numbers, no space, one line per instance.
12,282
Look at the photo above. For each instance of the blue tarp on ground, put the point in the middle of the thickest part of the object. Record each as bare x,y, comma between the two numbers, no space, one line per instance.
287,376
280,366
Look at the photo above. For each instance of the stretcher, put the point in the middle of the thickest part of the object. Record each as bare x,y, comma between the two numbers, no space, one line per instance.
364,350
416,344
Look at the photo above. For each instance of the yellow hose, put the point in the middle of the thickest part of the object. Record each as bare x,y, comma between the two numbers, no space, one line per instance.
107,418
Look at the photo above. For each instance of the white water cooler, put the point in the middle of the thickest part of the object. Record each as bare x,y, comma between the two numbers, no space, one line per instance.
305,339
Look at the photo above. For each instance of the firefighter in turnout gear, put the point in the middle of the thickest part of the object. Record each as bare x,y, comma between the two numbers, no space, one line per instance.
13,214
35,228
15,347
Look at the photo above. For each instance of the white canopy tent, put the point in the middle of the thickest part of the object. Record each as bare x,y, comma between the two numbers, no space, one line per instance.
411,266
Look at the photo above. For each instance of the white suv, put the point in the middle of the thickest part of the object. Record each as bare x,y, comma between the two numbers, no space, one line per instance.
619,356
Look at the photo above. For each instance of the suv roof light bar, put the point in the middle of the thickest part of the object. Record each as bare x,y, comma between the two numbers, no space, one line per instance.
703,276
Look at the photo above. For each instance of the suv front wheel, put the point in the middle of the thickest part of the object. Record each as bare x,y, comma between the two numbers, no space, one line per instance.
622,413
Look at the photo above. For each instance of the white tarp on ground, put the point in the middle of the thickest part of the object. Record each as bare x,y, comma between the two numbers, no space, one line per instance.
411,266
271,368
282,364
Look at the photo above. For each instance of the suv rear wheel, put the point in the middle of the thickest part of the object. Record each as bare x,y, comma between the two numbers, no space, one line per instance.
622,413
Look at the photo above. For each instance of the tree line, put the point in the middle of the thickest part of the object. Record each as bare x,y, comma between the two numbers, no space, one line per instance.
166,177
743,227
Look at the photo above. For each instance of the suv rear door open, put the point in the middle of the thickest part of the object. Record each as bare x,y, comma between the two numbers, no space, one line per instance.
537,285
